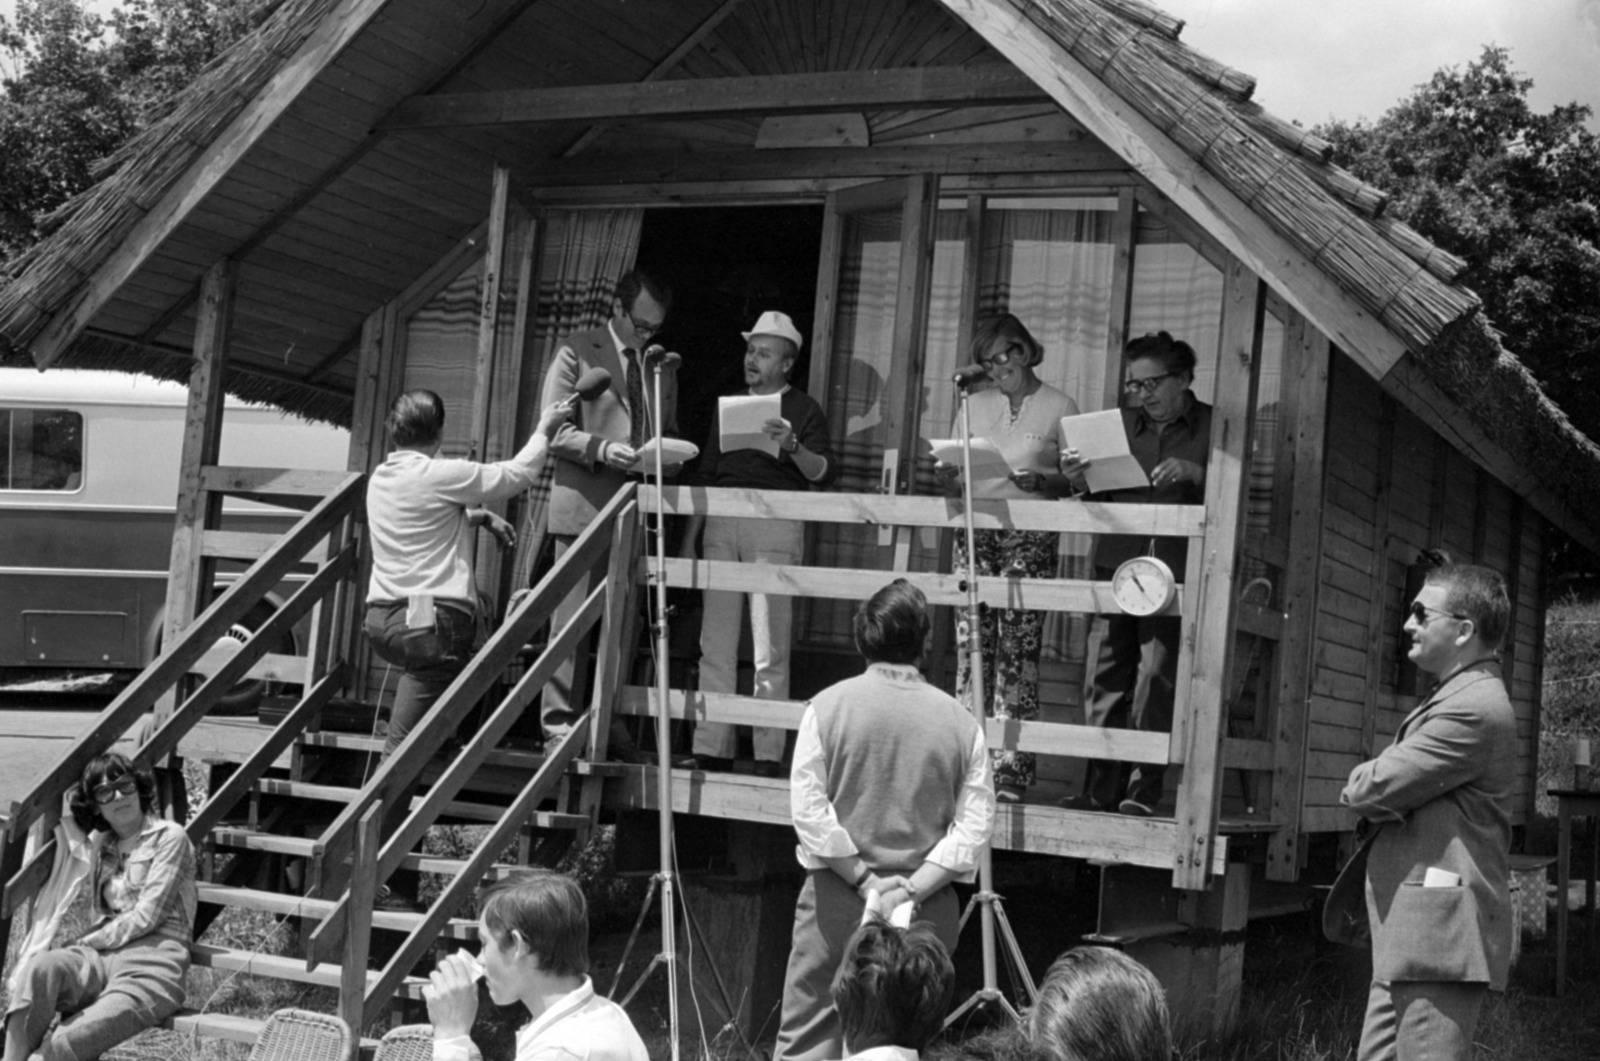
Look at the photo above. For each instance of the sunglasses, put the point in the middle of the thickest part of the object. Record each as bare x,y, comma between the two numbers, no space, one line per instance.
114,790
1011,352
1147,385
1422,613
644,329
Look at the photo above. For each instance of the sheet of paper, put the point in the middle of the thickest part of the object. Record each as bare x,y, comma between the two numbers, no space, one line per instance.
674,451
741,417
1101,440
986,460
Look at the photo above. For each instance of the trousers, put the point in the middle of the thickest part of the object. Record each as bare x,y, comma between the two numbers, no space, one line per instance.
825,917
429,658
105,998
1132,684
763,541
1420,1021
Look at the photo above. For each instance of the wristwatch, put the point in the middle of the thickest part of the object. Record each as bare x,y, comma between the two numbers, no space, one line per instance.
794,444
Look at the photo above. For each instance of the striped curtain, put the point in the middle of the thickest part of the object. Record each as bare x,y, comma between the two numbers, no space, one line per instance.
583,254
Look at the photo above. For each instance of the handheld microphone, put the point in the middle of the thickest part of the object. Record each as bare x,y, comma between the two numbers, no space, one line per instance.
967,375
656,354
591,385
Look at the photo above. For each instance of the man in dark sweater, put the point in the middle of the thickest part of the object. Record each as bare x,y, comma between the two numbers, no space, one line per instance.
804,459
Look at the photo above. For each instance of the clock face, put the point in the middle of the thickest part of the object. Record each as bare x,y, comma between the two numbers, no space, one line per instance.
1143,585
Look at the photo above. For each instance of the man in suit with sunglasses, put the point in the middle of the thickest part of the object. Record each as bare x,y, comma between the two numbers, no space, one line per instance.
599,448
1438,897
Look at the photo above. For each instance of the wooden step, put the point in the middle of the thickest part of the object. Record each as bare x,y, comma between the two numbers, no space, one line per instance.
515,758
250,840
303,906
479,812
281,967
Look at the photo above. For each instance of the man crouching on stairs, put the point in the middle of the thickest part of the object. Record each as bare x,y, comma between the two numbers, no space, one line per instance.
534,936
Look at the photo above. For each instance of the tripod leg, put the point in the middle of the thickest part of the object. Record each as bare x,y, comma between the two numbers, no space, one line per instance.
633,937
1014,951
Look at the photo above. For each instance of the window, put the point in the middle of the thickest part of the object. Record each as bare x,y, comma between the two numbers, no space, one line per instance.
41,449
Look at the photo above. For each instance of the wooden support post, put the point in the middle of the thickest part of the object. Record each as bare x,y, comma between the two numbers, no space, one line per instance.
1303,430
1124,235
1202,969
189,573
1201,694
353,1007
485,444
1378,632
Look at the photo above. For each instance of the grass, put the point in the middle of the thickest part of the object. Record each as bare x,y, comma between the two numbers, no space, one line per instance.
1302,1001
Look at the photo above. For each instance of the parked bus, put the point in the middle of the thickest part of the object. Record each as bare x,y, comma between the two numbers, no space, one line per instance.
88,491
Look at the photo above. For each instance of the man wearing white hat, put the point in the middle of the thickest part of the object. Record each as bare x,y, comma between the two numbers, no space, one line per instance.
804,460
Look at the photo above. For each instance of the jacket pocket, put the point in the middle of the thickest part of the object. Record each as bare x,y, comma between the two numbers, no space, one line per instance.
1431,934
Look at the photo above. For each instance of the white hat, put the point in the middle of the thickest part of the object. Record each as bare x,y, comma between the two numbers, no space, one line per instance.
774,323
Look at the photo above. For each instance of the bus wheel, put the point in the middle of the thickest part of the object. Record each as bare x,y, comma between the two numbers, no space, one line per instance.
246,696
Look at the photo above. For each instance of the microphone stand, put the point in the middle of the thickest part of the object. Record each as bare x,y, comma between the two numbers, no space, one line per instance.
991,912
664,876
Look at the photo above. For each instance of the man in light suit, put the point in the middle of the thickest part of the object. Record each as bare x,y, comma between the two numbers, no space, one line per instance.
599,448
1440,797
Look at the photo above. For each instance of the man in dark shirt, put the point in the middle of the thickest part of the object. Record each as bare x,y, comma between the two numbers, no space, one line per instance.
804,459
1133,660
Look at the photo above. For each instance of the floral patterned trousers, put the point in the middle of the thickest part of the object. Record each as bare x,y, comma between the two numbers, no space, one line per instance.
1010,638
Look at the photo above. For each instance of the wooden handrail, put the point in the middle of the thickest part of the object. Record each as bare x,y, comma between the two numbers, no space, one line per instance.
397,774
876,510
230,607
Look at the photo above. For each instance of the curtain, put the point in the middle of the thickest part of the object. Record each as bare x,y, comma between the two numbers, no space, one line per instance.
583,253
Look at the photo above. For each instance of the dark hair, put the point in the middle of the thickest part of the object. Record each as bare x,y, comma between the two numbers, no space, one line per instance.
1478,593
416,418
636,280
1098,1004
893,986
1175,355
548,911
101,769
1006,326
892,625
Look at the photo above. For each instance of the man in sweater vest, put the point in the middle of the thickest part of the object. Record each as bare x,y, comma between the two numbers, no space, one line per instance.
891,793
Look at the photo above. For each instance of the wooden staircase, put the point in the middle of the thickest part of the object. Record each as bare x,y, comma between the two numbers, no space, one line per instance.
346,840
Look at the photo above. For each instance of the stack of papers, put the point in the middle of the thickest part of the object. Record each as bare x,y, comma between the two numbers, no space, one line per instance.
742,416
987,463
1101,440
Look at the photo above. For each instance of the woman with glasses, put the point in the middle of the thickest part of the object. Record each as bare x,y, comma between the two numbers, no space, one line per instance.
126,973
1021,414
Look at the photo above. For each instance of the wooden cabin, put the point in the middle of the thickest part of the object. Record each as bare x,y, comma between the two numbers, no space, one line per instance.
368,195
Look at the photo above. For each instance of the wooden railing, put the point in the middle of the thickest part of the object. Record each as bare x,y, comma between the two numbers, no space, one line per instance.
324,537
608,547
1152,845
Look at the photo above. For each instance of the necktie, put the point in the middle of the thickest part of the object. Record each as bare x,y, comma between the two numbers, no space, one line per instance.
635,398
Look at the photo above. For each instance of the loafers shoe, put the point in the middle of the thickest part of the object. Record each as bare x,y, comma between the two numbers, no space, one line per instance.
1134,808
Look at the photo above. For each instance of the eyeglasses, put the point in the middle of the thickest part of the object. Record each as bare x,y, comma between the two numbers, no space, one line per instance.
114,790
1004,357
644,329
1422,613
1147,385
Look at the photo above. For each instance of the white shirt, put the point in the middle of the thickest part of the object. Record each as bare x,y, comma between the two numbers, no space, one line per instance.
1029,441
581,1026
417,517
816,824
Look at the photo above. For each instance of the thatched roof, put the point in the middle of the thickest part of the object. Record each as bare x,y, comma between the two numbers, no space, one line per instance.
283,156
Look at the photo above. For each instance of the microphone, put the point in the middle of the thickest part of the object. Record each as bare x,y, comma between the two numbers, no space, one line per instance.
967,375
591,385
656,354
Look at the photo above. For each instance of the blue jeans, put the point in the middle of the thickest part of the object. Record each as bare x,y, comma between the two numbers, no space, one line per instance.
106,998
430,657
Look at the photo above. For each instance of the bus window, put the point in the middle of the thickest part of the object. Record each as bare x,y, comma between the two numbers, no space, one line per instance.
41,449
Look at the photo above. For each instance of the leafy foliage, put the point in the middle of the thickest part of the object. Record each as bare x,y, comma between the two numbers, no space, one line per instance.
1513,192
79,83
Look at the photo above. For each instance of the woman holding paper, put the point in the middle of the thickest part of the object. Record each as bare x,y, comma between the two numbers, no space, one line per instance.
773,437
1021,416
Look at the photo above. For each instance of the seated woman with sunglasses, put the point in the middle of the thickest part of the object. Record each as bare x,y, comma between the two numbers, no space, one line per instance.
1021,414
126,973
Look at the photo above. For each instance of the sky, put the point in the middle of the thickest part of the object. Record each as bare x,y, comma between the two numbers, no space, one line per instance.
1319,59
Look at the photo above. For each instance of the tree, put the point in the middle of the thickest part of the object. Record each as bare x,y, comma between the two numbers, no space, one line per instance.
1514,193
81,83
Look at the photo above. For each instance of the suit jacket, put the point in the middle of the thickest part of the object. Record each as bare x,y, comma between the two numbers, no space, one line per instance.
583,483
1442,795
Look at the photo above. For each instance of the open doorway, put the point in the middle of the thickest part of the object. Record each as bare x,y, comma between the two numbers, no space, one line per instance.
726,265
